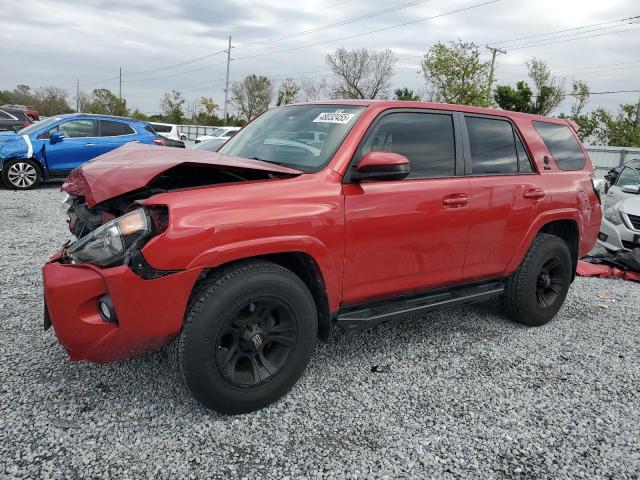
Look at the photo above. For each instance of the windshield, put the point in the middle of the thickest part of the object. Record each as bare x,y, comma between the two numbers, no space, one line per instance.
304,137
36,127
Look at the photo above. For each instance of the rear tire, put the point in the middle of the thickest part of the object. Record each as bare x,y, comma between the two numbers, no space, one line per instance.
22,174
536,291
249,333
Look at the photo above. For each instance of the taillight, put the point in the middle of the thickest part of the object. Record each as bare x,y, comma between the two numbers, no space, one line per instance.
158,141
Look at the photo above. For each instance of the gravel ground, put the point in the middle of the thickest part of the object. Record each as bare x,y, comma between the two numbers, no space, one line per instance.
458,394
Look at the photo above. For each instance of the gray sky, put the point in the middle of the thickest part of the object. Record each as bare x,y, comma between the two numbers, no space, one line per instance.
54,42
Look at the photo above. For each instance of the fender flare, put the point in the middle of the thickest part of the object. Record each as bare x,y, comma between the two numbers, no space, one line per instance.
543,219
311,246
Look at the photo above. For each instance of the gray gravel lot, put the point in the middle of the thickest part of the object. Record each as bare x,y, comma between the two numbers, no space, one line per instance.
461,394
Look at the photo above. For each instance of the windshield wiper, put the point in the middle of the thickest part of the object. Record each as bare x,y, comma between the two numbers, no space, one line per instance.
269,161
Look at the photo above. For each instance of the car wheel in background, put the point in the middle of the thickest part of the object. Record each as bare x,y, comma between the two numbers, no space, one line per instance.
21,174
248,336
183,137
536,291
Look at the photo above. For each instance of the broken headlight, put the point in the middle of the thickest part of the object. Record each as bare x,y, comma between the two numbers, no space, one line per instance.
112,243
613,214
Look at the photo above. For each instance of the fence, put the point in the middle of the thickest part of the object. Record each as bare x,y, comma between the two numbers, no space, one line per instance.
605,158
194,131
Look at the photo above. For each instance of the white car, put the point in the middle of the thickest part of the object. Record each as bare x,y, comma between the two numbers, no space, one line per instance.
620,228
220,132
168,130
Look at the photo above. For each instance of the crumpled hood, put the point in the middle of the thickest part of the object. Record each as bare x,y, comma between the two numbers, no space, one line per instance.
13,145
134,165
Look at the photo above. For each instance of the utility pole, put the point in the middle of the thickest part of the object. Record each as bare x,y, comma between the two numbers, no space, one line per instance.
494,53
635,122
120,88
78,95
226,87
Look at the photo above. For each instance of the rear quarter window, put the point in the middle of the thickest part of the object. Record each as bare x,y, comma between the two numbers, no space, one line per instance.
562,145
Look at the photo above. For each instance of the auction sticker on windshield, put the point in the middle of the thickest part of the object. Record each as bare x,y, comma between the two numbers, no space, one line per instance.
334,117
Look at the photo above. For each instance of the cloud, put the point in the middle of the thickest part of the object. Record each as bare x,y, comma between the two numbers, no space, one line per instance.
53,43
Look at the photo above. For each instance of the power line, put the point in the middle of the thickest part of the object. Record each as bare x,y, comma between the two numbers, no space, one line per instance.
332,25
565,30
370,31
137,80
168,67
243,33
555,41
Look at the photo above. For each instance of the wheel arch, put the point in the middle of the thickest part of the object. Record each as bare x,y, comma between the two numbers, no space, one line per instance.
565,224
303,265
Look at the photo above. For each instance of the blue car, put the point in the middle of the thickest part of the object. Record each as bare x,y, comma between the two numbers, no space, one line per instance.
55,146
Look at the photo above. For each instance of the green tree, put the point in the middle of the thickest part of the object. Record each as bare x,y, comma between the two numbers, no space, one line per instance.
455,73
545,96
171,105
406,94
252,95
138,115
515,99
361,73
288,92
104,102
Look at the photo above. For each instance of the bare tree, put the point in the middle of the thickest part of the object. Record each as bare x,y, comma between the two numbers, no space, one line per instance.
193,108
313,90
288,92
252,95
362,73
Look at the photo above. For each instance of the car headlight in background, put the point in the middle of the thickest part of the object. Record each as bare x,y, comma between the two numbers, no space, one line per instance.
612,214
113,242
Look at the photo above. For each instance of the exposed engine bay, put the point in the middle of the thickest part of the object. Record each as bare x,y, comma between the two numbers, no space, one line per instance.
84,219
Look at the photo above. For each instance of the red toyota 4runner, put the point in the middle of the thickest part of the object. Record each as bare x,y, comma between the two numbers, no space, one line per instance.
341,213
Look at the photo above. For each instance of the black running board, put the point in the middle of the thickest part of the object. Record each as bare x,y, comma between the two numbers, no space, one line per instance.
367,315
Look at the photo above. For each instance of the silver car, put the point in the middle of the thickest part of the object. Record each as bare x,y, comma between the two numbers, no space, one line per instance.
620,229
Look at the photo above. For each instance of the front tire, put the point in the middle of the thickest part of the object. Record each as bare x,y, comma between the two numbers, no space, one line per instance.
536,291
248,336
21,174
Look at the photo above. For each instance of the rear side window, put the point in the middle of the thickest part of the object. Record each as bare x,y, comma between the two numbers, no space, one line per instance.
150,129
161,128
5,116
426,139
562,144
114,129
492,144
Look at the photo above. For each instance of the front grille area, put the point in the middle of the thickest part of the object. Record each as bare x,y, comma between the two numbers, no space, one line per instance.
630,245
635,221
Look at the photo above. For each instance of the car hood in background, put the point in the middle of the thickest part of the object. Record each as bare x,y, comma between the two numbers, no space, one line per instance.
13,145
631,205
133,166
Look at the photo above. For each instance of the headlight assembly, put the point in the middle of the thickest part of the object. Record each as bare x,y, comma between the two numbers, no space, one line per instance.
612,214
112,243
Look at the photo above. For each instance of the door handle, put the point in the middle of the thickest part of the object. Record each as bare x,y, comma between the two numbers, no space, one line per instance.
533,193
456,200
89,144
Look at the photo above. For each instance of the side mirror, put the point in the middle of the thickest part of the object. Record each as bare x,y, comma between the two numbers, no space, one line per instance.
56,137
382,166
635,189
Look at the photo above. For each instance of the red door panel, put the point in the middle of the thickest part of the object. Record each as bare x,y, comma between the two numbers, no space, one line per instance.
404,236
502,208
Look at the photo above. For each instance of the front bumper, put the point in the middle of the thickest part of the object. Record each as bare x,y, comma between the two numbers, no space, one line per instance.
149,312
618,237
